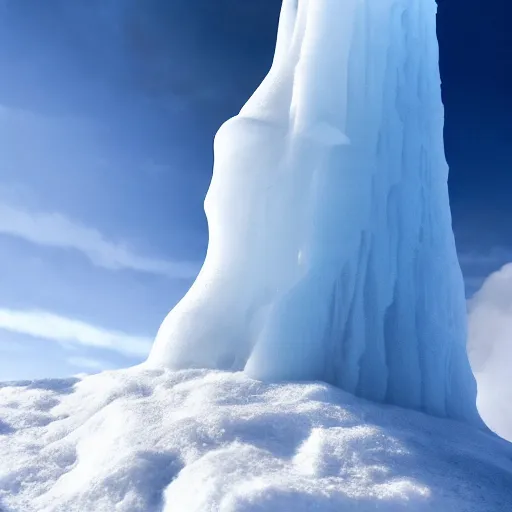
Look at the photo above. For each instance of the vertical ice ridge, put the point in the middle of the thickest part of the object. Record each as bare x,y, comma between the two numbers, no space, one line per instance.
331,253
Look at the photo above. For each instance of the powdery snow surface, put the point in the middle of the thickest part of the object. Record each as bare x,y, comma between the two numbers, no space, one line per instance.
205,441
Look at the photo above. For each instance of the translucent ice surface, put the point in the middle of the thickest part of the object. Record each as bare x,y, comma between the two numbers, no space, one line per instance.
331,253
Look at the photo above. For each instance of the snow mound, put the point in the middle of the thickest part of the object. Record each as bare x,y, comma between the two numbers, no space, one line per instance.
201,441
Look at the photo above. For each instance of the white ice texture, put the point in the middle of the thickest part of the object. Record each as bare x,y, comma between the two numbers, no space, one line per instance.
205,441
331,251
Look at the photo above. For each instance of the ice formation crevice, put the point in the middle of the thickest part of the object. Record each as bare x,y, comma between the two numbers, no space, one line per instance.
331,252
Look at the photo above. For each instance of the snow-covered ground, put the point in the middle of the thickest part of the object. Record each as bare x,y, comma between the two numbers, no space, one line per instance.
207,441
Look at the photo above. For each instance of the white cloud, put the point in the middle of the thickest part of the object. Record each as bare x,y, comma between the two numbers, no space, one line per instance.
52,327
87,363
490,349
56,230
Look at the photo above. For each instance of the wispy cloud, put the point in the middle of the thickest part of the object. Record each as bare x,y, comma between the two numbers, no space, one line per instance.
88,363
56,230
493,256
52,327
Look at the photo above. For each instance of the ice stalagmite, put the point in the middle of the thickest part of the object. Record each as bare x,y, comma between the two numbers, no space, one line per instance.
331,251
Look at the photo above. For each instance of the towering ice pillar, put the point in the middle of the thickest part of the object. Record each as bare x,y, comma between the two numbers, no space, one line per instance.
331,251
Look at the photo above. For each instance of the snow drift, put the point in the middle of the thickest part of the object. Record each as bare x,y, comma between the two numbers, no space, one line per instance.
331,252
194,441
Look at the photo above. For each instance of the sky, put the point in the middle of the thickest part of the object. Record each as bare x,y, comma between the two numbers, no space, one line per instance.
108,110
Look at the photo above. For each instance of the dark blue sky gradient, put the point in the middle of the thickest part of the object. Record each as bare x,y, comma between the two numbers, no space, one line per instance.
476,65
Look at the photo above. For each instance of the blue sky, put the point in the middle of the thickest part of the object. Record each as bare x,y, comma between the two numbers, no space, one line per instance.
107,114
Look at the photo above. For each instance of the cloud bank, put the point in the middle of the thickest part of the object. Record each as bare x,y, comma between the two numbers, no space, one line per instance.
490,349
